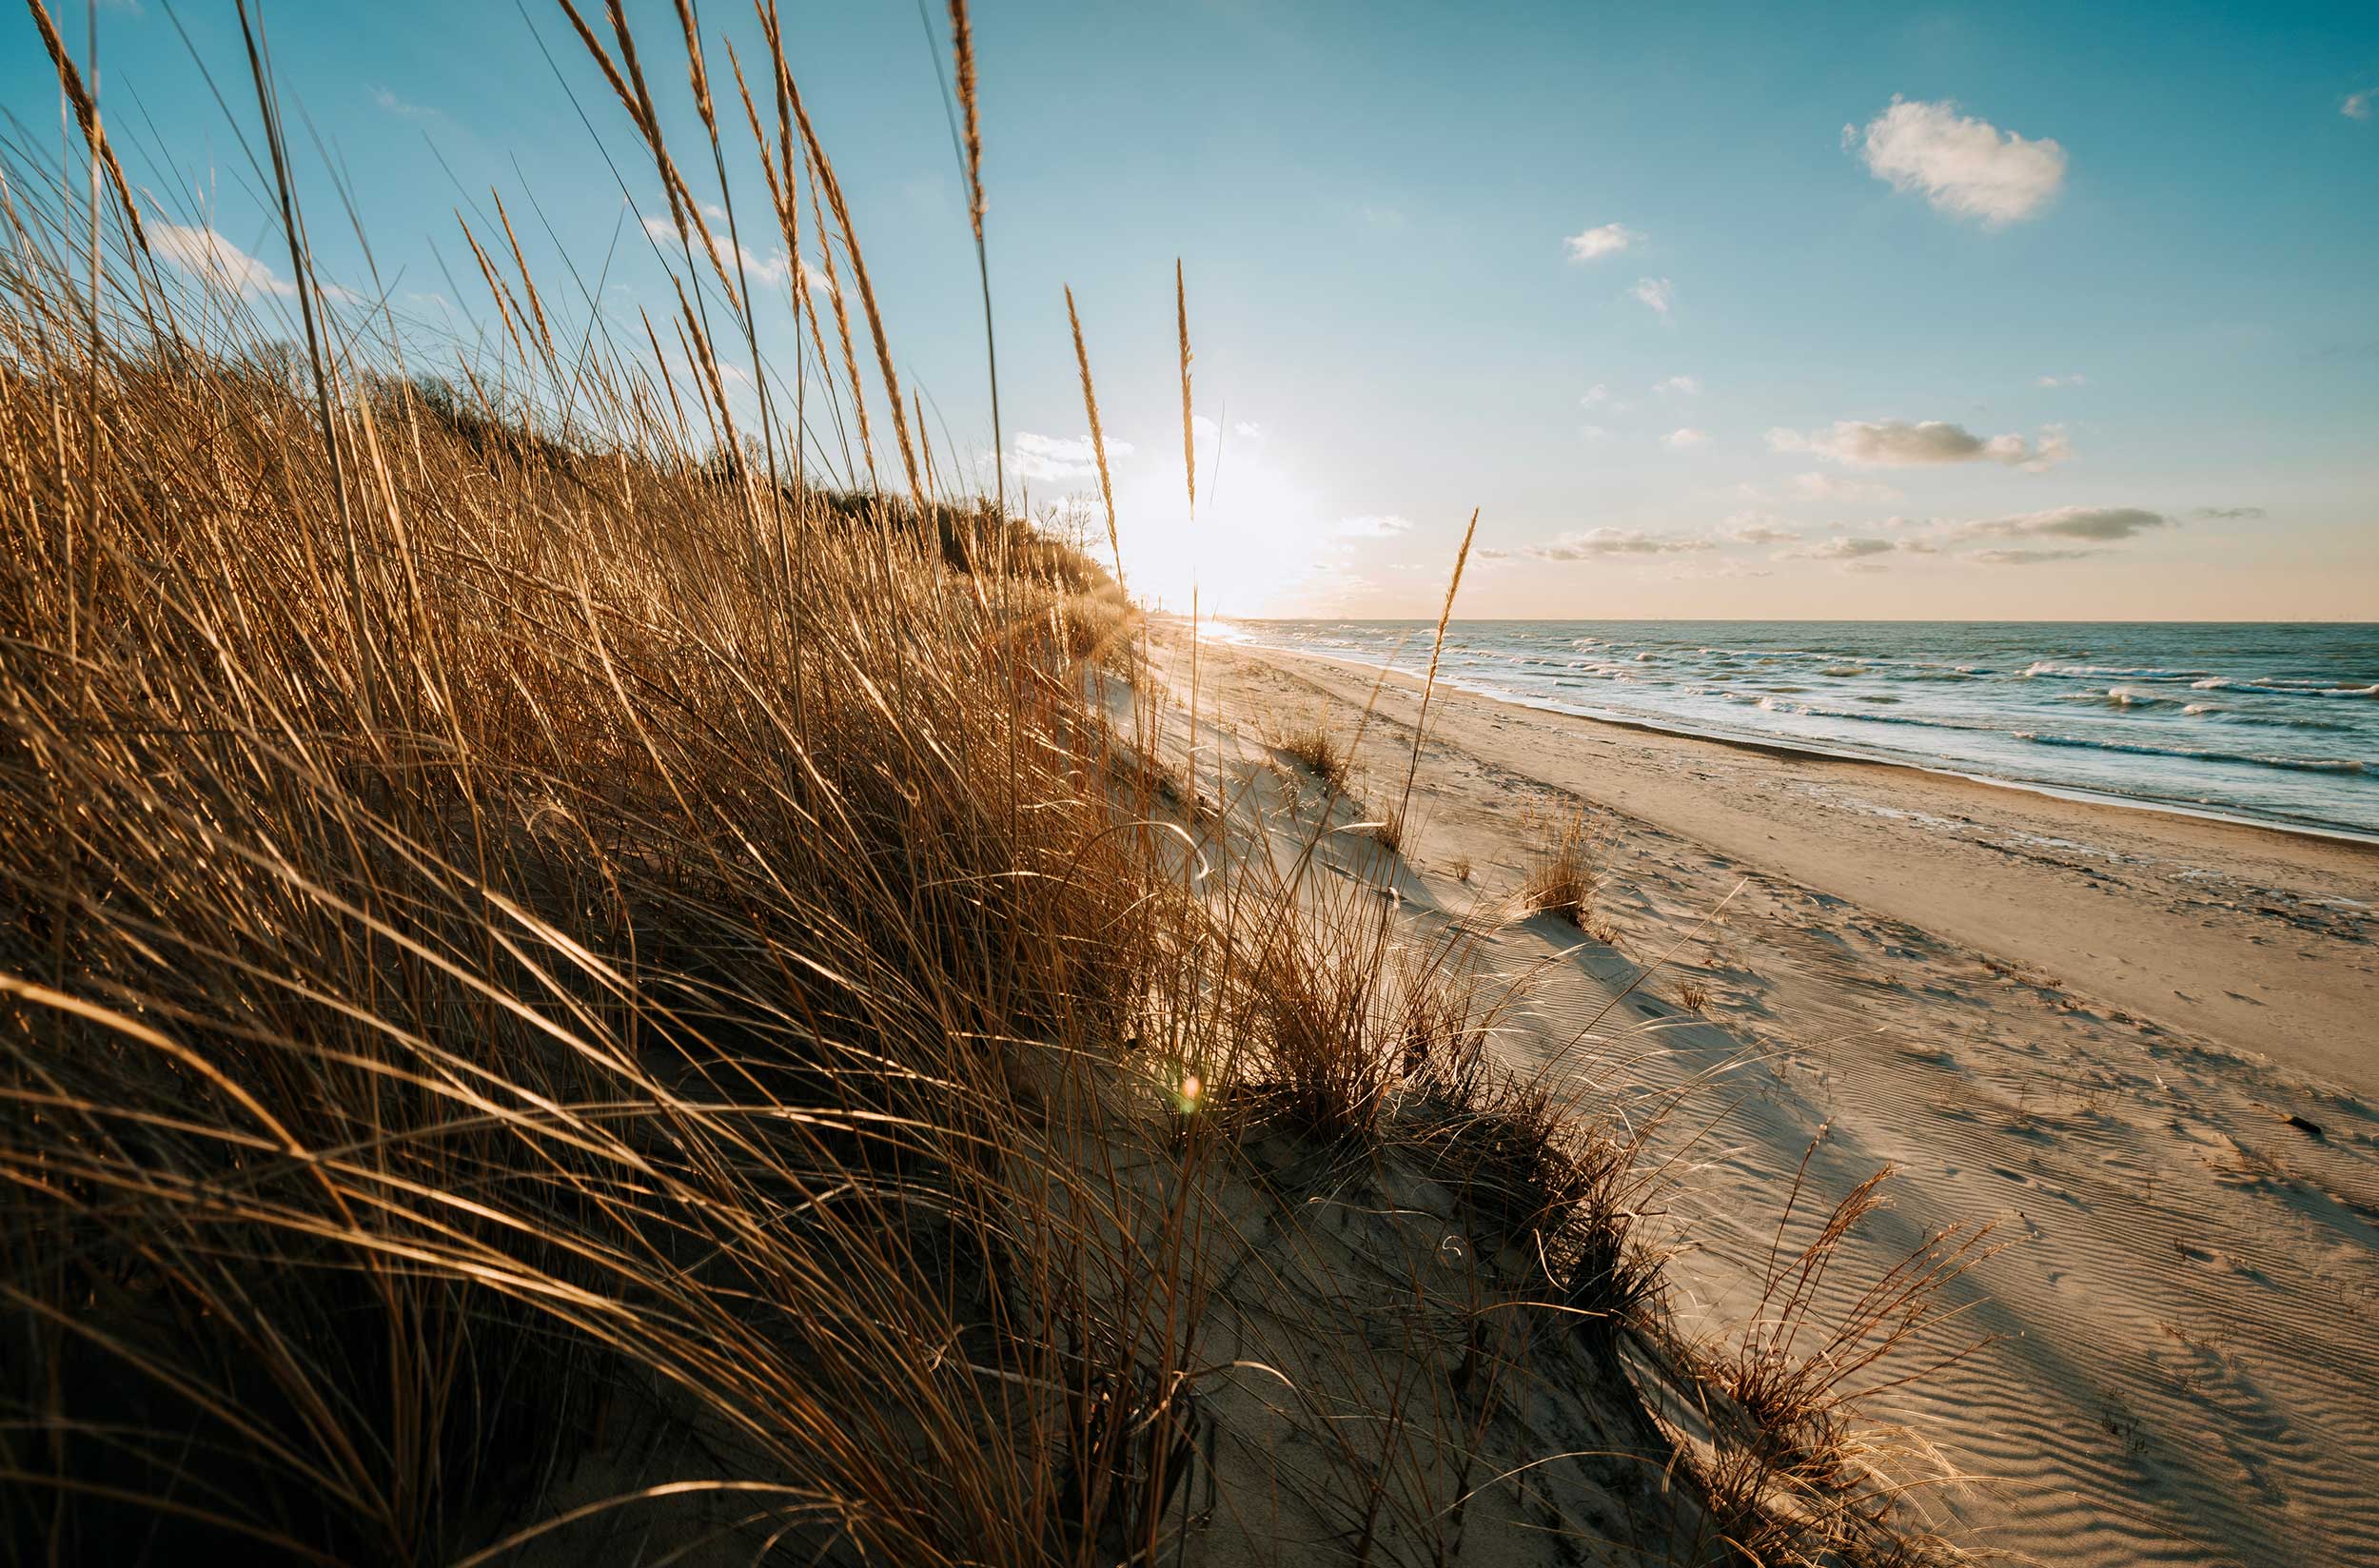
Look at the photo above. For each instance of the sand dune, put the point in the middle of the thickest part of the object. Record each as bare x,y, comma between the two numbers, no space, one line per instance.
2136,1044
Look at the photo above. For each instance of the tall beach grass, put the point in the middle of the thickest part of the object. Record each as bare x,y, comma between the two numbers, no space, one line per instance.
578,984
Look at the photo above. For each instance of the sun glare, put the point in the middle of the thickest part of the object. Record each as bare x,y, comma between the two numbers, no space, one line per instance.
1260,539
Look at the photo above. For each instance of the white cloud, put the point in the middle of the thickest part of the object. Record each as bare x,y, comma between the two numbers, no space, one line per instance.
1203,429
1965,166
1822,486
773,268
2053,449
1594,432
1842,547
1600,396
2062,380
1053,458
1758,528
1685,440
2356,106
396,106
1246,429
1897,443
1373,527
1657,295
1609,240
206,255
1592,543
1683,385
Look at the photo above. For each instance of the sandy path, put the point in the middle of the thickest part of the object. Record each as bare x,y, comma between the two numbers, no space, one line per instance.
2088,1024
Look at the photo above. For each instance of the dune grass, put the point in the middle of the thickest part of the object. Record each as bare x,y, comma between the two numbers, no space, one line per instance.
1559,877
575,986
1311,743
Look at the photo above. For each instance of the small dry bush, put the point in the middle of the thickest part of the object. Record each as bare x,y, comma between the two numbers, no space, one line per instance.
1559,879
1314,1015
1311,742
1797,1466
1693,996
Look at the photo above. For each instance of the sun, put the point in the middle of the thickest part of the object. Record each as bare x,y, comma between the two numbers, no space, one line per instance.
1261,543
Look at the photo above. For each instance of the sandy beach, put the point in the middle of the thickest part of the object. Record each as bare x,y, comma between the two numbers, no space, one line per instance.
2137,1044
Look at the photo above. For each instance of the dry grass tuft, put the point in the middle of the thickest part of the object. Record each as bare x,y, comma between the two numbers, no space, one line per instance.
1797,1469
1559,879
1311,743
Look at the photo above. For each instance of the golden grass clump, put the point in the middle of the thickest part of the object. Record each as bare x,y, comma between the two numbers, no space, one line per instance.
1312,743
1559,879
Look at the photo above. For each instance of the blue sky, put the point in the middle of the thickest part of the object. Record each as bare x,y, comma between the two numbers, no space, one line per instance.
1795,365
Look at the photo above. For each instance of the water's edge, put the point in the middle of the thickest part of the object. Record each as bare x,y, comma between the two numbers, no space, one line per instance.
1794,748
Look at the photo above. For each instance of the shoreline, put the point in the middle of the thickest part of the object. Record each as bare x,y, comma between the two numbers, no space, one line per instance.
2251,937
1794,749
2133,1044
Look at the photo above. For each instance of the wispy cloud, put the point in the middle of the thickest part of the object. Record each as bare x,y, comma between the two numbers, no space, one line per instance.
2062,380
2230,514
2026,557
2356,106
1657,294
1373,527
1965,166
2082,523
1683,385
389,103
1058,457
1897,443
2064,533
1600,396
1758,528
208,257
773,268
1246,429
1593,543
1842,547
1595,244
1824,486
1685,440
1715,570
